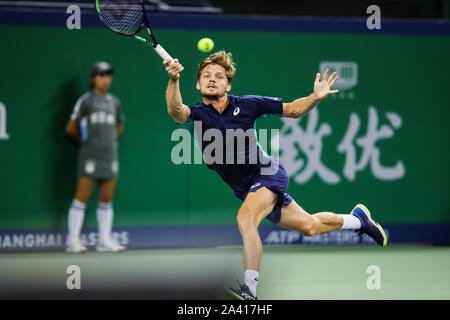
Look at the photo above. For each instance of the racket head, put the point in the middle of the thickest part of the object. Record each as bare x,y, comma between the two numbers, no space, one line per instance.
125,17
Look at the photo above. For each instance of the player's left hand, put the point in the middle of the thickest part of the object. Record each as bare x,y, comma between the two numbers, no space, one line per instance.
323,88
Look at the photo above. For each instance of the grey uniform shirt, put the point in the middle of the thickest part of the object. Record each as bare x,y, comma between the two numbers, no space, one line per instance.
98,119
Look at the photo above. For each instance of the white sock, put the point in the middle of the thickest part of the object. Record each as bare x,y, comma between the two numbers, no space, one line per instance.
104,220
75,221
251,280
350,222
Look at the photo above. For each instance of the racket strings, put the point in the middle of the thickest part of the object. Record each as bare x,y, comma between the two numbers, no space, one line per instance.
123,16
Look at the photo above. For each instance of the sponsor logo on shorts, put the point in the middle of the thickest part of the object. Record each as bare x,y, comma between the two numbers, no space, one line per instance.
89,166
115,166
255,185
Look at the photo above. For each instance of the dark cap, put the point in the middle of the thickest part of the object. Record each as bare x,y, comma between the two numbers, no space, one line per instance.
100,68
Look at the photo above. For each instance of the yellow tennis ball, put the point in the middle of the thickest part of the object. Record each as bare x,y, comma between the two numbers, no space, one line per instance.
205,45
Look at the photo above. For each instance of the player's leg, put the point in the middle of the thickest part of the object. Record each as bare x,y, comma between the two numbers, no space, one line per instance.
77,212
106,189
256,206
294,217
105,215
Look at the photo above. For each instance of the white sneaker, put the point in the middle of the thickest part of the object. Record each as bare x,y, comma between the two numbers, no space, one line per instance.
109,245
75,246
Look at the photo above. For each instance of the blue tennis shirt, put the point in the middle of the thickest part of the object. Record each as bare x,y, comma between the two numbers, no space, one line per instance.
238,164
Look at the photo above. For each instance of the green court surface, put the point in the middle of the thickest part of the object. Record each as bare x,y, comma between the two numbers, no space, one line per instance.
294,272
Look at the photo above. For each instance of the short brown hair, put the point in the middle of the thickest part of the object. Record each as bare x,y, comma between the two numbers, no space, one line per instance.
221,58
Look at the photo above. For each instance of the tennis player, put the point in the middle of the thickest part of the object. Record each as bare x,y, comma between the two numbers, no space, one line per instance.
96,122
263,195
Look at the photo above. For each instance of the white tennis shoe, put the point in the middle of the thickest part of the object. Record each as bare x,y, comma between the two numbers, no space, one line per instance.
75,246
109,245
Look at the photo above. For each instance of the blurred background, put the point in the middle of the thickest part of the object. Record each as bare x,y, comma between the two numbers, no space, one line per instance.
394,92
382,141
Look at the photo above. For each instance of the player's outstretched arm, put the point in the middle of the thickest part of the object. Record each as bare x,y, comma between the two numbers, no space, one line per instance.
175,107
322,89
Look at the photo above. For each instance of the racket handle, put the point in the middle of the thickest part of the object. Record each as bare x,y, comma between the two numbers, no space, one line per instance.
163,53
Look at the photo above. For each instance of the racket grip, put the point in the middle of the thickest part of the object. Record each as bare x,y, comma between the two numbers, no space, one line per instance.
163,53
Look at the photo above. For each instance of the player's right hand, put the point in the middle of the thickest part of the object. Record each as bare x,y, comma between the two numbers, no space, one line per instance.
174,69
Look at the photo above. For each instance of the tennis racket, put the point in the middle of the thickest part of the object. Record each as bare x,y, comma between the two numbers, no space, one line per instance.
127,17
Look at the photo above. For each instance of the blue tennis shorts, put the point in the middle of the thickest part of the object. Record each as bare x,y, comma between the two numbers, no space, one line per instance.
277,183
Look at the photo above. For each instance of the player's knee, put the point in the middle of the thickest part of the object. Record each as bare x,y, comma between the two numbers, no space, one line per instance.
310,228
307,230
246,219
83,196
105,197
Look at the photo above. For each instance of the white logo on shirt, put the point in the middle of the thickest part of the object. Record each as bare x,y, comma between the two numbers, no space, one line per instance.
236,111
102,117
